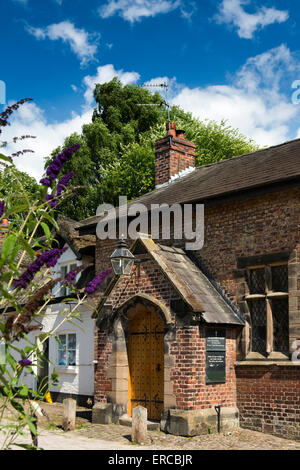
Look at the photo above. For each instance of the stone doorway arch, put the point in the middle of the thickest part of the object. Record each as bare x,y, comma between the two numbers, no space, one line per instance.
146,362
130,320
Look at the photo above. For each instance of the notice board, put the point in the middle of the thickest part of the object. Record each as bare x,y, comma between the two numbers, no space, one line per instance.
215,356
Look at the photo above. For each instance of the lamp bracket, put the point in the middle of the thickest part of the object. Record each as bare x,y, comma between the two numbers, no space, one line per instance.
138,262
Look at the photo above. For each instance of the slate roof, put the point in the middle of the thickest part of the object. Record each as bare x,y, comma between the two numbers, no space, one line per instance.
67,232
280,163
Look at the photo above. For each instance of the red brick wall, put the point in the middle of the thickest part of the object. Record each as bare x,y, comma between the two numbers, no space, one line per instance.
151,281
258,225
186,348
255,226
188,372
268,399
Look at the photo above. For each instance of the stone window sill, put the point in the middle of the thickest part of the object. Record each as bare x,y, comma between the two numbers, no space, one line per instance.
266,363
275,358
67,370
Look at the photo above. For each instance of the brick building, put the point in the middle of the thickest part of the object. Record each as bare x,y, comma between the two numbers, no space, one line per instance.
197,335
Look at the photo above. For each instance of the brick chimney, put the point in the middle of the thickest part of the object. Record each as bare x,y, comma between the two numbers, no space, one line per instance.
174,156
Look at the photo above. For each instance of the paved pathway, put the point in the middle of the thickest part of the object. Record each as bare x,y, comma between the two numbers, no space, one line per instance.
118,439
88,436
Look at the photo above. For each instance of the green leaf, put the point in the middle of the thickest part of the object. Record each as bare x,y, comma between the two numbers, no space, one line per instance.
23,392
43,336
5,277
18,407
31,425
27,248
5,158
12,362
28,446
7,247
17,209
46,231
50,219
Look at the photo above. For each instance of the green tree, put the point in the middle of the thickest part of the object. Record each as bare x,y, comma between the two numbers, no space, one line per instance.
12,181
117,148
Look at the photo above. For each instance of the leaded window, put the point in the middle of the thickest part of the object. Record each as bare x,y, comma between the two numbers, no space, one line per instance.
269,310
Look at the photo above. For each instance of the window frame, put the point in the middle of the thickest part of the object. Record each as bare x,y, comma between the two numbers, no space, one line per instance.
67,349
70,265
268,295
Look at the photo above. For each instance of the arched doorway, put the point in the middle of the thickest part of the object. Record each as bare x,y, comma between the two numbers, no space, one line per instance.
146,362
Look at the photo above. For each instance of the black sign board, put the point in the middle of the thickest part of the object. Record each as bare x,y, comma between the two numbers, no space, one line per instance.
215,343
215,356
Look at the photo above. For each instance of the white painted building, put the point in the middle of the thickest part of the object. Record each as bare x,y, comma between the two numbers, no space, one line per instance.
72,356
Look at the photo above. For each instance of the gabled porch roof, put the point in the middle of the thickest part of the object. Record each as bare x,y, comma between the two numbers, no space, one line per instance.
193,286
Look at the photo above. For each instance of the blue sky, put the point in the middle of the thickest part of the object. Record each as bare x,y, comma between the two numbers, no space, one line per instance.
223,59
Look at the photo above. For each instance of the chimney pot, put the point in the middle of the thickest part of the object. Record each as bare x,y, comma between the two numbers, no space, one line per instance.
180,134
172,129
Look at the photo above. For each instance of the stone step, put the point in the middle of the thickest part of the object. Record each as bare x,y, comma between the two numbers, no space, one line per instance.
126,420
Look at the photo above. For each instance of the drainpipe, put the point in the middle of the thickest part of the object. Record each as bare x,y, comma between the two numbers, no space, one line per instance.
218,411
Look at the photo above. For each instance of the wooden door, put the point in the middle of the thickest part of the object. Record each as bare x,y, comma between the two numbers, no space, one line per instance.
146,363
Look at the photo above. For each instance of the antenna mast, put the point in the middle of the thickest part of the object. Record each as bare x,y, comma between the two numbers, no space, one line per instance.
163,103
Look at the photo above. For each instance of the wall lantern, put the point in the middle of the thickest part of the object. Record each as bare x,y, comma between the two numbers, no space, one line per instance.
122,260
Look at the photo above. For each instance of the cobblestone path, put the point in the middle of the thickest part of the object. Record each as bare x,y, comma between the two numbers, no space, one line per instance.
241,439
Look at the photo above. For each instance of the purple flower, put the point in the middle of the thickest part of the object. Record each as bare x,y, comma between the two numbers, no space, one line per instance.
71,276
59,161
25,362
45,182
60,188
94,284
63,183
50,199
2,205
56,165
49,258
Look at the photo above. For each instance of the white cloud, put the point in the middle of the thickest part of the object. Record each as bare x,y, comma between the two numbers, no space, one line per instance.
253,102
232,12
83,44
105,74
30,119
135,10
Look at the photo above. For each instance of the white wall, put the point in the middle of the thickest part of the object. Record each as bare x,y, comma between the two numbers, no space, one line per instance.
78,379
